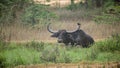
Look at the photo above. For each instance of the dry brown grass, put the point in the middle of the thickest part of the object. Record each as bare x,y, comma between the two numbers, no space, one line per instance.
68,20
77,65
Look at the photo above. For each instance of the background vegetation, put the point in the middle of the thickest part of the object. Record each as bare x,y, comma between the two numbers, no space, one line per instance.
24,14
34,13
109,10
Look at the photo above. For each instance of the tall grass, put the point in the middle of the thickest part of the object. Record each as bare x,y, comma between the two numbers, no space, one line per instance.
36,53
19,56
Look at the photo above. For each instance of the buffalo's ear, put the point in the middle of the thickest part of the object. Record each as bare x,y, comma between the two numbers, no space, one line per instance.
55,34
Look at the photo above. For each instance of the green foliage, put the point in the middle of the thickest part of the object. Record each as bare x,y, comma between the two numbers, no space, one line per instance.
91,4
107,50
37,13
19,56
2,37
33,52
100,3
108,56
55,54
29,12
108,3
77,6
109,45
107,18
8,9
35,45
110,15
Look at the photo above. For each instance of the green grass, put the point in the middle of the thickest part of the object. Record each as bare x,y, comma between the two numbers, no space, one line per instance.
19,56
36,53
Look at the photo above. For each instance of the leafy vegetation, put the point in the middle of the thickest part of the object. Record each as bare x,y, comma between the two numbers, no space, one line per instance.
37,14
34,52
109,10
24,10
9,9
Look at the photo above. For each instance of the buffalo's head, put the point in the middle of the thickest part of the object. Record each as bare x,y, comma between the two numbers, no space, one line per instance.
62,35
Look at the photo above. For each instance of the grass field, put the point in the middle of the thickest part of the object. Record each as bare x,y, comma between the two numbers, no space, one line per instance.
14,54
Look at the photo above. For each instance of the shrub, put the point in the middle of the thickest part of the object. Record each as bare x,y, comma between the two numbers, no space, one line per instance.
9,9
2,61
37,13
55,54
109,45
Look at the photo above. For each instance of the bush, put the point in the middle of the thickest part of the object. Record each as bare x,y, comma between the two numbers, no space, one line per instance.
2,61
110,13
55,54
109,45
37,14
9,8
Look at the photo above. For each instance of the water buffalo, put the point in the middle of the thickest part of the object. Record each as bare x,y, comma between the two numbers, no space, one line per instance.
76,37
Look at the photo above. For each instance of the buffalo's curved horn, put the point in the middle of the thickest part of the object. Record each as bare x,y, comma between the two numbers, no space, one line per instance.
48,28
76,29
